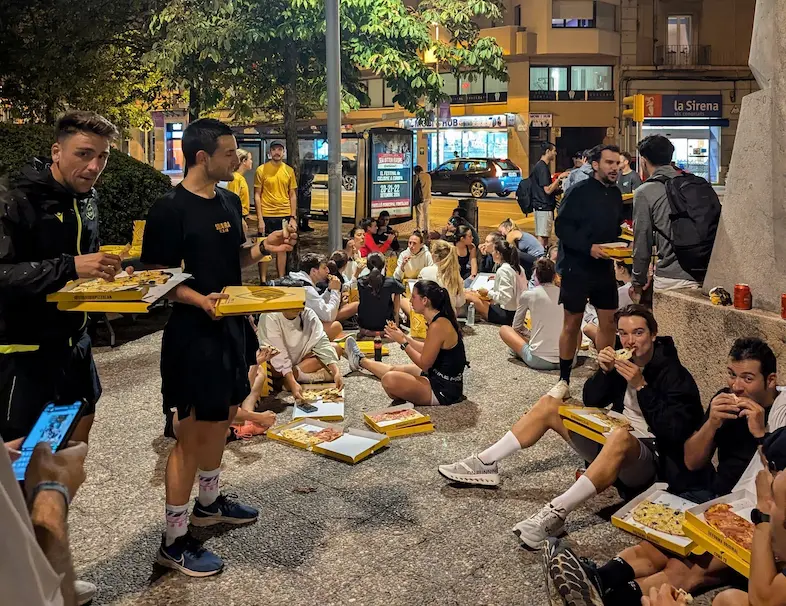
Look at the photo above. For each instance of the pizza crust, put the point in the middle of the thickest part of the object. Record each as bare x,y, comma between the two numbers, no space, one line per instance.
623,354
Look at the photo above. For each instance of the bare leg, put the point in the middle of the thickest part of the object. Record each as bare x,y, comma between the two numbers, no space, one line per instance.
569,338
731,597
645,559
544,241
281,264
404,386
512,339
619,447
82,430
606,329
347,311
544,415
406,307
592,333
263,265
481,306
703,572
333,329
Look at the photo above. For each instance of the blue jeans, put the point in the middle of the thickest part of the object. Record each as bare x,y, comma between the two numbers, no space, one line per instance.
533,361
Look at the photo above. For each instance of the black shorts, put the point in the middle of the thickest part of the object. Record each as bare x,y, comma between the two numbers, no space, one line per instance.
273,224
500,316
579,286
204,367
31,380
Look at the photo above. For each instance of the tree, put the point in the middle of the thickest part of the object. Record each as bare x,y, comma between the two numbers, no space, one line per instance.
268,56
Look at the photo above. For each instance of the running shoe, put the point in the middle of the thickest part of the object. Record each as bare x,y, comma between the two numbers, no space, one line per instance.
353,353
561,391
85,592
224,510
548,522
472,471
187,555
570,577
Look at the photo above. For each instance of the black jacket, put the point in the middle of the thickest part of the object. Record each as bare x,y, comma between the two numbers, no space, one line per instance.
43,226
671,405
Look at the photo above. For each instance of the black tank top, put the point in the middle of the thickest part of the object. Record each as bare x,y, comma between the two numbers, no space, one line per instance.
464,266
446,375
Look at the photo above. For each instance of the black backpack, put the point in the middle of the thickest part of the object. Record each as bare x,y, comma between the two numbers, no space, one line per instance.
417,193
524,196
695,213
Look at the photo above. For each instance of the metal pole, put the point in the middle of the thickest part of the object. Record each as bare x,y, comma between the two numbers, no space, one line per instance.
333,44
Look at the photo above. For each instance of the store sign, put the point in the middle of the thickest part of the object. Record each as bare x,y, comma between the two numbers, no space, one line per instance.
479,98
391,172
495,121
683,106
541,120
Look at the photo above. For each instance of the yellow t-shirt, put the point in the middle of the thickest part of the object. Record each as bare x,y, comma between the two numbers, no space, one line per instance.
239,186
276,183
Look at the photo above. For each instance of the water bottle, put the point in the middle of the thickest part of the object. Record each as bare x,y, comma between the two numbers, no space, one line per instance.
471,315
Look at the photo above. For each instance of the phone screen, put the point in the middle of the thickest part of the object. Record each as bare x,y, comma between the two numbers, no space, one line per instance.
55,426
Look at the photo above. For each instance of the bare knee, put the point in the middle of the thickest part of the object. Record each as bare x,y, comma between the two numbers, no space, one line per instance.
731,597
681,575
621,443
389,382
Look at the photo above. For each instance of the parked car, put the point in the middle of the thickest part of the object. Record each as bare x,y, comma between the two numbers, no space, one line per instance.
349,172
476,176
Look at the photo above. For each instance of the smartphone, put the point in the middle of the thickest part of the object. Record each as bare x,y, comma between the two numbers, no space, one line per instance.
55,425
306,407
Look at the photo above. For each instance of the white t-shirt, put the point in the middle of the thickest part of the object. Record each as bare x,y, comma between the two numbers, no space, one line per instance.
632,411
546,315
775,420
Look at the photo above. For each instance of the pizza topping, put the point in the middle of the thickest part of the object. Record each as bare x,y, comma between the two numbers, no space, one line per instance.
735,527
396,415
123,281
311,438
613,422
623,354
659,517
331,394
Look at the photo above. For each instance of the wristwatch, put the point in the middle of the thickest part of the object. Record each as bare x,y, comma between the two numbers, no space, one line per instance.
757,517
404,345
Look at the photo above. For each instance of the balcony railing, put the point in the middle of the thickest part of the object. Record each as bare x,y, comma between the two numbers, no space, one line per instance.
682,56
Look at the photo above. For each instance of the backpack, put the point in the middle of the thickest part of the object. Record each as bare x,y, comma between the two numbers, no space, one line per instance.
524,196
417,193
695,213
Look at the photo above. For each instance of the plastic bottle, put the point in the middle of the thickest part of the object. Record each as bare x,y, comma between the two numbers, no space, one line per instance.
471,315
378,348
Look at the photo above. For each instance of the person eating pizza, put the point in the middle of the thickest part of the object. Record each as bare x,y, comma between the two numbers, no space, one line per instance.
655,394
736,423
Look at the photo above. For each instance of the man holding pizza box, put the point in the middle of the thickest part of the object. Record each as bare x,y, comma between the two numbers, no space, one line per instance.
736,423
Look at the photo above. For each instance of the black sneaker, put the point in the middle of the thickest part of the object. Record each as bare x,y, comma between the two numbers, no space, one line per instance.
187,555
224,510
570,577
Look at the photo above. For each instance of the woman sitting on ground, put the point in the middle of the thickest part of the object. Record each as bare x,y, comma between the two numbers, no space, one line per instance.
380,298
369,243
499,304
487,265
530,249
538,347
414,258
355,264
437,373
444,272
467,254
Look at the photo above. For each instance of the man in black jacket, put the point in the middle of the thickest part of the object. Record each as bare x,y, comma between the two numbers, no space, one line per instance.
590,215
48,236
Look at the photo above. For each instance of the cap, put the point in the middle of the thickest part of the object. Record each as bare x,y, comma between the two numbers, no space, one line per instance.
276,143
774,448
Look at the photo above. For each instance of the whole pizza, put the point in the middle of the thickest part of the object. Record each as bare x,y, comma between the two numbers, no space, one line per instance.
659,517
724,520
396,415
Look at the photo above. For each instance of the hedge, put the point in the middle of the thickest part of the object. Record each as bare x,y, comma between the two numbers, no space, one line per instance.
127,188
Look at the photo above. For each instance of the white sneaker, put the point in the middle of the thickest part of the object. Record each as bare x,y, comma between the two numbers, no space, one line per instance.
561,391
471,471
548,522
353,353
85,592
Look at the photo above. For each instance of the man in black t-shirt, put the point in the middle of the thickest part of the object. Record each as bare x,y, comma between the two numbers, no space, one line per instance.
203,358
590,215
544,193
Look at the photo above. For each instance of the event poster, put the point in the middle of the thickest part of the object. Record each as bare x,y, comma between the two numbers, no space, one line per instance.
391,171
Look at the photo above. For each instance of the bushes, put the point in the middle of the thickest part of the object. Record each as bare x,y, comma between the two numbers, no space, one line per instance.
127,188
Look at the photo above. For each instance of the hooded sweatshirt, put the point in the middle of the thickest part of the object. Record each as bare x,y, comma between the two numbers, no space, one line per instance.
671,406
43,226
325,305
295,339
412,264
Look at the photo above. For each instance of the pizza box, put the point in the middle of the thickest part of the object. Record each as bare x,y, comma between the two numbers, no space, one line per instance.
409,431
617,250
245,300
353,446
396,425
367,347
131,300
742,502
482,280
656,494
719,551
410,284
326,411
627,197
591,426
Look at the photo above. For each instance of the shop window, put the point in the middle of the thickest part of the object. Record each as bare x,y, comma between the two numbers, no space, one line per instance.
449,84
174,147
374,90
591,77
470,87
539,78
495,86
558,78
548,78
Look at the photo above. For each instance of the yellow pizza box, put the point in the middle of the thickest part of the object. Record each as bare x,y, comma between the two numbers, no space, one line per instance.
412,430
585,417
245,300
742,502
626,197
326,411
719,551
626,237
367,347
121,250
307,425
656,494
617,250
353,446
417,418
584,431
131,300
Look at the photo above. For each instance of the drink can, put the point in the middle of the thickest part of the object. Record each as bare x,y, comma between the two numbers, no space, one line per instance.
742,297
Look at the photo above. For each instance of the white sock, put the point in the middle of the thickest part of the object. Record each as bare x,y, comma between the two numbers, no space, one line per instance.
583,490
176,522
505,447
208,487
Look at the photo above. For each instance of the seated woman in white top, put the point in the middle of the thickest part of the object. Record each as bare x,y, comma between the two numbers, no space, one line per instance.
445,272
355,263
623,274
509,282
412,259
539,347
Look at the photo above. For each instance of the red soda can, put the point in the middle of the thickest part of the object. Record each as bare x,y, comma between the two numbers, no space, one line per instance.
742,297
783,307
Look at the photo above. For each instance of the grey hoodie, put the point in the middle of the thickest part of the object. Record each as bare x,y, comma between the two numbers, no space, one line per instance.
651,216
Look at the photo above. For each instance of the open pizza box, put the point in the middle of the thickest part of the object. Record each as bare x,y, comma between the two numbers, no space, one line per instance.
617,250
586,422
730,552
482,280
401,420
326,411
121,299
351,447
681,545
244,300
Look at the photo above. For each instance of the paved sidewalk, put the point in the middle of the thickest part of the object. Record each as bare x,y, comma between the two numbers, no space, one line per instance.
388,530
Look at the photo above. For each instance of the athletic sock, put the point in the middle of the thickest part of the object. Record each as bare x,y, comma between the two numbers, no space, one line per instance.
624,595
581,491
176,522
565,367
505,447
614,573
208,487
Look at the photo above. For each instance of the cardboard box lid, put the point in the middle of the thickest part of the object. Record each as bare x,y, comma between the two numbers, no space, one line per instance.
742,503
146,293
354,444
260,299
329,411
583,415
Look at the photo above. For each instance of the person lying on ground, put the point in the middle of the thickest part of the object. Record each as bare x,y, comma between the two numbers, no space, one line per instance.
622,274
529,247
327,306
655,393
306,354
539,347
499,304
739,418
380,298
413,259
369,243
436,375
